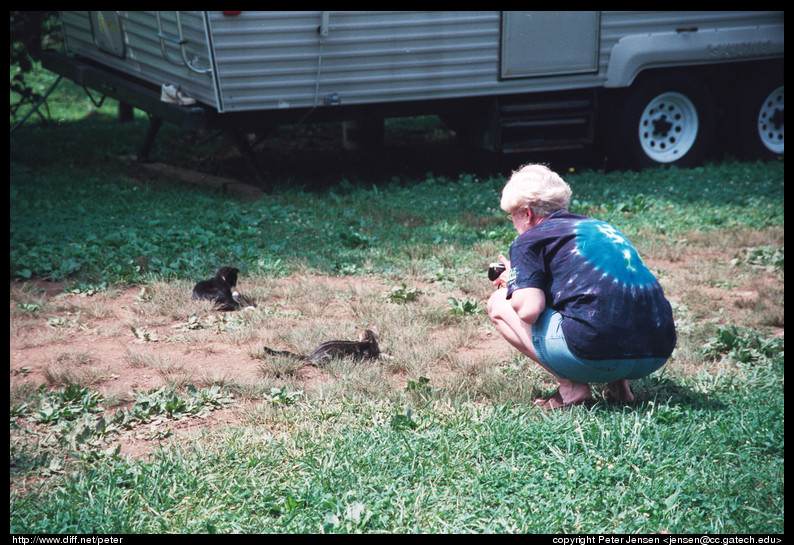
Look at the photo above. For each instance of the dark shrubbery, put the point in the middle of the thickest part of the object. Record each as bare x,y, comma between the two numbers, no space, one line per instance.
31,32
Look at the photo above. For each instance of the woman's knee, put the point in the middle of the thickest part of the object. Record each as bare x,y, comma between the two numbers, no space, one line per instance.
496,304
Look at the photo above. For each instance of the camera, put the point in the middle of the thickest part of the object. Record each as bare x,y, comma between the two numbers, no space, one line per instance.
494,270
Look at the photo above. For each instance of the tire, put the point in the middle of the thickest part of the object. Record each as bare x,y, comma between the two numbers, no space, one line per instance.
758,112
666,120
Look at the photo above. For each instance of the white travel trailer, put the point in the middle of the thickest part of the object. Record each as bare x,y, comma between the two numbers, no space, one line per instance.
655,87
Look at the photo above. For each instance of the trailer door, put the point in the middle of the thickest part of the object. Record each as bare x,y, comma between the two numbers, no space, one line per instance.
543,43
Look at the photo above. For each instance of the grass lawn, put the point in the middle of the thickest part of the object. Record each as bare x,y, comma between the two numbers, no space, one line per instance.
134,409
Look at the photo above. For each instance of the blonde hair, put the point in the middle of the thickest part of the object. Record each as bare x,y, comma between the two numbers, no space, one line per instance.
538,187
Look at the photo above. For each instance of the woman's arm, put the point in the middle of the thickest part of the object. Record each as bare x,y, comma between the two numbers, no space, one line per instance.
528,303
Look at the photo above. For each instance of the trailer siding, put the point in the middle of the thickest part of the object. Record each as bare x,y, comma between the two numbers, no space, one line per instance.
270,60
144,57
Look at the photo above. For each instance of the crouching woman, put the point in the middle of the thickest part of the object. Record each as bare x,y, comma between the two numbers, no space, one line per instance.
575,296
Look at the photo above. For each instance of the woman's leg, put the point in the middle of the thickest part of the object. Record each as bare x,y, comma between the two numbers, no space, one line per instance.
515,331
519,334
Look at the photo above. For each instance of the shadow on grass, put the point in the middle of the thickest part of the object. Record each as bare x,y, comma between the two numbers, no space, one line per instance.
654,392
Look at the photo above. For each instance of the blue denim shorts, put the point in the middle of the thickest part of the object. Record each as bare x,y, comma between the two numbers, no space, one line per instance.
553,352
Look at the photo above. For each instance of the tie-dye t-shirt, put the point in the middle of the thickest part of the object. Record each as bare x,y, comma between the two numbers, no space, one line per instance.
612,306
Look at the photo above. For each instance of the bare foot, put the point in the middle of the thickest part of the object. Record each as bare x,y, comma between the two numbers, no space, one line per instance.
620,391
557,401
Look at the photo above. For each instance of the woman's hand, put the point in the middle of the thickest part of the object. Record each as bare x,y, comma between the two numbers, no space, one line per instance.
501,282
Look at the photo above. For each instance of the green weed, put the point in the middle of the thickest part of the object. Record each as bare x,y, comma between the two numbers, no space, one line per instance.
403,294
282,396
744,345
465,307
761,256
74,417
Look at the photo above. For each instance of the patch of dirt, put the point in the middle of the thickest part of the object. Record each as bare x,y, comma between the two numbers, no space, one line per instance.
93,344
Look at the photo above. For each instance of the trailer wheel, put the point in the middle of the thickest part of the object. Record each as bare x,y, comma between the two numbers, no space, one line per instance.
665,121
758,112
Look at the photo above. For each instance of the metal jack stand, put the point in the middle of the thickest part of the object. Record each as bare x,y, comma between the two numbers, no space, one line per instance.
146,97
148,142
236,136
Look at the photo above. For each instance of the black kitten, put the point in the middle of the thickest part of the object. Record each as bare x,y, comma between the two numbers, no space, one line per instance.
365,348
221,290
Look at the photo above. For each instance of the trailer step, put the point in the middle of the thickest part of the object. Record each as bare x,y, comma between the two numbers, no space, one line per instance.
534,123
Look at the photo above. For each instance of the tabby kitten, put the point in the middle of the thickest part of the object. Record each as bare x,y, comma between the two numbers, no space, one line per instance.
365,348
221,290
